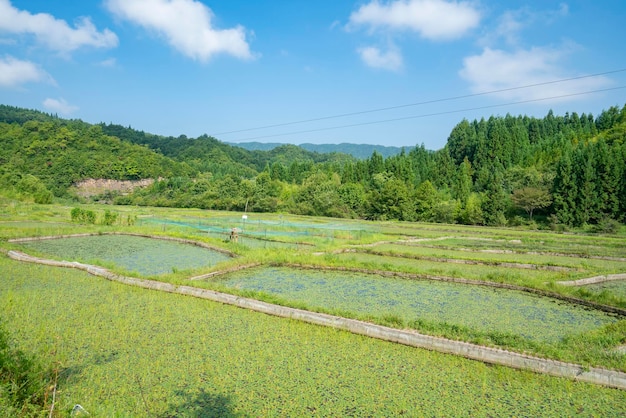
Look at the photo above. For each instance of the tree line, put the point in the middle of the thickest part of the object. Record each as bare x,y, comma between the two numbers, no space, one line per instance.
565,171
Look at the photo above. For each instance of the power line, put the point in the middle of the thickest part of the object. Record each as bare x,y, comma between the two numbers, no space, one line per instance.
342,115
428,114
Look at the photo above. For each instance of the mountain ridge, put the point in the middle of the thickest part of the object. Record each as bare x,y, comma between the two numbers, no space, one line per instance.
359,151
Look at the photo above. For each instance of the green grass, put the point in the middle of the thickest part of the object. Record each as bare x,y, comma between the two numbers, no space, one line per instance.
219,360
585,246
614,288
533,278
131,352
587,264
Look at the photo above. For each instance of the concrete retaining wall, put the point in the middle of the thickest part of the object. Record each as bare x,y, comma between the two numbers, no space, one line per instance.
594,280
599,376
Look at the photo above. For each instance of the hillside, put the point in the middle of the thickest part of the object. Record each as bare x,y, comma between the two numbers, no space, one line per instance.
208,154
59,153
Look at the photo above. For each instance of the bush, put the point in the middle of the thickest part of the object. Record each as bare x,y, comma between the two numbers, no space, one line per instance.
109,217
83,216
606,226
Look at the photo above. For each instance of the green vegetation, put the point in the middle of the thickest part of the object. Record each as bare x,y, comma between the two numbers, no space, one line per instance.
472,307
558,172
615,289
144,256
553,191
144,353
25,384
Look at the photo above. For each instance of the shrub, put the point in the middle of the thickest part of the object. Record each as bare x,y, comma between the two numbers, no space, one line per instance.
606,226
83,216
109,217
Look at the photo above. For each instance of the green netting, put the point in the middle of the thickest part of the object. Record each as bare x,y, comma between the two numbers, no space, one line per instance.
258,227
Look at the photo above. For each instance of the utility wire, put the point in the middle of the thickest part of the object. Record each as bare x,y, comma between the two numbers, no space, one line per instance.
426,115
485,93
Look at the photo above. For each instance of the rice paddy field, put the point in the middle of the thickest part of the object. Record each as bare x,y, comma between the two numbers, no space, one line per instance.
125,351
138,255
476,307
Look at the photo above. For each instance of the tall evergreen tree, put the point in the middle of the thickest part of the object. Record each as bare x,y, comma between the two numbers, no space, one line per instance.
564,190
463,185
607,179
462,142
494,200
586,198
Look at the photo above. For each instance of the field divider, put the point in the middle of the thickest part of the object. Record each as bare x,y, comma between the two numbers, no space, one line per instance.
225,271
605,377
594,280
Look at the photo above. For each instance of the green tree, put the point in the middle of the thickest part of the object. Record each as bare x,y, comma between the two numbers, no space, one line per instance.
472,213
531,198
463,185
586,198
425,201
390,199
565,191
494,201
462,142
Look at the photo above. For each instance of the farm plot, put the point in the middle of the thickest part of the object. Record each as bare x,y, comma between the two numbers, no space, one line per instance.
527,261
443,268
145,256
253,237
31,228
487,310
125,351
582,247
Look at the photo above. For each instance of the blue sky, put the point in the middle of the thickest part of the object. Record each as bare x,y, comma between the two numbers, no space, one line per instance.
226,67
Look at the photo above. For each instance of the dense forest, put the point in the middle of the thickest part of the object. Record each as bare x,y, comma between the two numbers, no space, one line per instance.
561,171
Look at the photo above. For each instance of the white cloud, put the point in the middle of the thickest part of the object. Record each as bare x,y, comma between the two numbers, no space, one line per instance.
496,69
432,19
512,22
109,62
509,26
375,58
14,72
54,33
186,25
59,106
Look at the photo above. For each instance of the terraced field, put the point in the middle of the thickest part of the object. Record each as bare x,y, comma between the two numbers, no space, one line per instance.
145,256
480,308
130,352
144,353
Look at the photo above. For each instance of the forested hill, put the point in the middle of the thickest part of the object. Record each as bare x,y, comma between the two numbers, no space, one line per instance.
60,152
560,170
209,154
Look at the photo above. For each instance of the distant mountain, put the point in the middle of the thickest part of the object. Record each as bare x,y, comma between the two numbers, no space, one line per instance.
360,151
